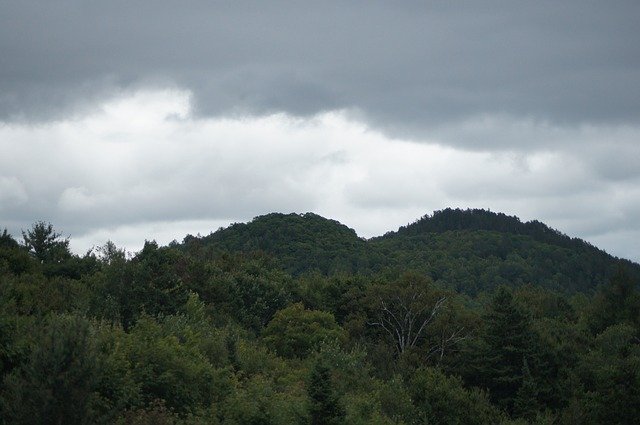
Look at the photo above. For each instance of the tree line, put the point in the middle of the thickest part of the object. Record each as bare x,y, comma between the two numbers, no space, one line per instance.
192,333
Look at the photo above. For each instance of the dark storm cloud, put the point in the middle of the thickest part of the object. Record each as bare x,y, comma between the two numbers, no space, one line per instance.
404,66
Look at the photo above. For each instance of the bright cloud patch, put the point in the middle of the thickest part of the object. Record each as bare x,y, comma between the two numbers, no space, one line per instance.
142,166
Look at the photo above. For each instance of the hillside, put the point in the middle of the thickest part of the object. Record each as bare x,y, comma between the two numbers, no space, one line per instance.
294,319
466,250
299,242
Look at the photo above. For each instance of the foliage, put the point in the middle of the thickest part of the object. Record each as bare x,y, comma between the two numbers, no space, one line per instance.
405,308
324,403
279,321
55,383
296,331
442,399
509,345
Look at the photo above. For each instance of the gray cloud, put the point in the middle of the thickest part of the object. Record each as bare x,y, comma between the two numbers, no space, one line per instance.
404,66
165,173
135,119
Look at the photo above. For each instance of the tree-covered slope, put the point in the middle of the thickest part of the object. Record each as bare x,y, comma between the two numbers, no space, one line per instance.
213,331
468,250
299,242
473,250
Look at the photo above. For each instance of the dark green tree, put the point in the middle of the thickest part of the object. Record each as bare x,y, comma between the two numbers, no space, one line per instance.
324,402
611,375
616,302
45,244
526,403
7,241
295,331
12,257
508,342
442,399
56,383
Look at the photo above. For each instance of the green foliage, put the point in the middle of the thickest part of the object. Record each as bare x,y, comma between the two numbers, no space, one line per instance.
13,258
526,403
149,283
616,302
258,401
396,401
403,310
56,382
169,369
509,343
325,407
45,244
301,243
610,374
296,331
272,322
255,296
442,399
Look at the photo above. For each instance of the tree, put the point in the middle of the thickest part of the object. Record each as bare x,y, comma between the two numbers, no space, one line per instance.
12,257
610,372
616,302
56,383
324,403
443,399
45,244
509,342
7,241
296,331
526,403
405,308
454,325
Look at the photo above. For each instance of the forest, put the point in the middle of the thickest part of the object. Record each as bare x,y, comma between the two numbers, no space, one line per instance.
462,317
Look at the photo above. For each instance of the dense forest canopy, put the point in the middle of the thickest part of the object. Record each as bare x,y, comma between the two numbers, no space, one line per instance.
465,316
467,250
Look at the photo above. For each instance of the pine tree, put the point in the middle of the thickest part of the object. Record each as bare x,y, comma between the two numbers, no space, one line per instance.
45,244
324,403
509,340
526,403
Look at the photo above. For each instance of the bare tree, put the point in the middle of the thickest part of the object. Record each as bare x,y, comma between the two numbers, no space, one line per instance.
448,339
405,309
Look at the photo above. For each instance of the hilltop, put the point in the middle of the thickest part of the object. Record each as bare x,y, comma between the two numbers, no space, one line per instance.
468,250
464,316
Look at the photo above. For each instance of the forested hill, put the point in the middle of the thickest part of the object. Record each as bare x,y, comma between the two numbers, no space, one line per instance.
294,319
476,249
299,242
478,219
467,250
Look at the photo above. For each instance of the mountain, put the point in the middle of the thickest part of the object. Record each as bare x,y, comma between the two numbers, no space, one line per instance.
299,242
468,250
473,249
250,323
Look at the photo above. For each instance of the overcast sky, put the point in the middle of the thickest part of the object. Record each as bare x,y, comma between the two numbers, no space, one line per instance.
133,120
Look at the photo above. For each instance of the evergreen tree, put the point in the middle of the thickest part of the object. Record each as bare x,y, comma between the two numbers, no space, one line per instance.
56,383
526,404
45,244
7,241
324,403
508,340
616,302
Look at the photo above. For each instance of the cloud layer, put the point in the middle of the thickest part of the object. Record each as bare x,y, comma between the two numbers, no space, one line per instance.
130,119
403,67
167,172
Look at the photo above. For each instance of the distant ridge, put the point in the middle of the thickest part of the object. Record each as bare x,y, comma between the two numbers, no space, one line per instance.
479,219
468,250
300,242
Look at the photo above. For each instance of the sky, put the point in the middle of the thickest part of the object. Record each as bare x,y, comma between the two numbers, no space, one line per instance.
133,120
